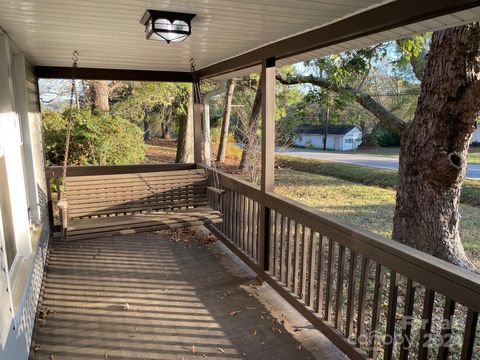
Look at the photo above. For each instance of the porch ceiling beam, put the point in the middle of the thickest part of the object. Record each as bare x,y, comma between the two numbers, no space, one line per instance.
55,72
389,16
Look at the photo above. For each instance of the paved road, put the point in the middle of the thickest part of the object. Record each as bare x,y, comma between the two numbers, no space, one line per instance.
473,171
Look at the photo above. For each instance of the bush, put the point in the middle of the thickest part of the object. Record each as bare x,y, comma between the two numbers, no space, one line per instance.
384,136
95,139
475,144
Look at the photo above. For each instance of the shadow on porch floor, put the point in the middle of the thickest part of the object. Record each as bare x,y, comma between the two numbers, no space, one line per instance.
185,301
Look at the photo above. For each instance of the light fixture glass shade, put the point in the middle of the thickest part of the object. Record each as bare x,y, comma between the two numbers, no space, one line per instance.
167,26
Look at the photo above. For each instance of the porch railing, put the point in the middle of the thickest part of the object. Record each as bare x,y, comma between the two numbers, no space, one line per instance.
371,296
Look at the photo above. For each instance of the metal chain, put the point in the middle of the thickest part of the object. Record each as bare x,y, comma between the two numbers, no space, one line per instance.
69,123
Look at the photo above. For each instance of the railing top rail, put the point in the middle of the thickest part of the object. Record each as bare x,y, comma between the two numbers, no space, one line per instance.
458,284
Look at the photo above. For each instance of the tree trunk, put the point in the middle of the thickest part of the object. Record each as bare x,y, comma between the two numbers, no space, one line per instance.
146,127
100,91
251,138
185,135
222,147
434,147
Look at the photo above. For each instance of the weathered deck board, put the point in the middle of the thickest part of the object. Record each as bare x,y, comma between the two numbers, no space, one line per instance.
179,296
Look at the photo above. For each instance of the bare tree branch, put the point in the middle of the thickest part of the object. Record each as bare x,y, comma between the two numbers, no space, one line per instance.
363,99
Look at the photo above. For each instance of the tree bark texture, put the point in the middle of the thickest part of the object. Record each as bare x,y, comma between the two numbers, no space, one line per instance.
434,147
185,135
251,138
222,147
100,92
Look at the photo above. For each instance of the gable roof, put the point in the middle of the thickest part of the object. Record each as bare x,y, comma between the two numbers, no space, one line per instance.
320,129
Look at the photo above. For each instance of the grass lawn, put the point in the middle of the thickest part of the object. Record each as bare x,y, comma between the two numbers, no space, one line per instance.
364,175
370,207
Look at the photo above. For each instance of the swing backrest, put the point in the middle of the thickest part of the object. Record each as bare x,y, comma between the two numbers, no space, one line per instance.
100,195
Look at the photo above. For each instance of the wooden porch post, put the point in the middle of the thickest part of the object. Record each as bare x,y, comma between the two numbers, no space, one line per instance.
268,153
197,122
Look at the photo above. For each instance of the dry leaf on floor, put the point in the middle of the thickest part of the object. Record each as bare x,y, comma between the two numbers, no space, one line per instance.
194,349
297,329
299,347
233,313
106,356
255,332
126,306
52,357
205,356
274,329
221,350
36,347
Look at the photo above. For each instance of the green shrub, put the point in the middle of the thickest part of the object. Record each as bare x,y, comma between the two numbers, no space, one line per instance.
384,136
95,139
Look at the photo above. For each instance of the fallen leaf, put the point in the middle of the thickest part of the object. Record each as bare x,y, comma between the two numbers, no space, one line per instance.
255,332
37,347
126,306
205,356
297,329
52,357
221,350
194,349
274,329
106,356
233,313
299,347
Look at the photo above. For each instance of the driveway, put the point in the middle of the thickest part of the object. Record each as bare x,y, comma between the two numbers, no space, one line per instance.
473,171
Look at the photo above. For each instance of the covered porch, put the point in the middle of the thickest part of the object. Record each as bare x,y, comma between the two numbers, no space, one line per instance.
294,283
150,296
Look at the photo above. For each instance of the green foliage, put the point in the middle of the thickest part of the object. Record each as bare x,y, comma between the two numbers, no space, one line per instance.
384,136
95,139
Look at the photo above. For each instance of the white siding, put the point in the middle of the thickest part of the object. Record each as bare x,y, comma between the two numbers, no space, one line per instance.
21,158
476,136
334,142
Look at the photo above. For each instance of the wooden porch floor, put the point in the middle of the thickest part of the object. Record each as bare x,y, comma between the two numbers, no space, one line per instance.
186,300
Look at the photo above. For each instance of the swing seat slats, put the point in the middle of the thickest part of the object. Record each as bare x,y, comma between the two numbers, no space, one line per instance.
106,205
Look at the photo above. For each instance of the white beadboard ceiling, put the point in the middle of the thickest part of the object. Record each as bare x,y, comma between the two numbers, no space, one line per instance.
107,33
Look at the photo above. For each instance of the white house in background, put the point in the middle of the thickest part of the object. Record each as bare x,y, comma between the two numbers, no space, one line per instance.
476,136
339,137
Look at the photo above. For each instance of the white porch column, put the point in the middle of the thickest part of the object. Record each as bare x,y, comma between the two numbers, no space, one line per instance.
10,141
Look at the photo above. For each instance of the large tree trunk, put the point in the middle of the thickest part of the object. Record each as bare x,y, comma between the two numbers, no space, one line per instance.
185,135
222,147
251,132
434,146
100,92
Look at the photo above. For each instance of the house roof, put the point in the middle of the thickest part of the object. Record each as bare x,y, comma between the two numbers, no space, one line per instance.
108,34
320,129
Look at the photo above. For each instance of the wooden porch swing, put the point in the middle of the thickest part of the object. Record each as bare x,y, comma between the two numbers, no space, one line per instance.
101,205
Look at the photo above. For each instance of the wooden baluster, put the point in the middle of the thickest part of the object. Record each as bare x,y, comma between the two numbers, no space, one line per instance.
303,285
280,256
288,272
361,299
377,303
407,317
469,335
320,271
296,258
428,304
275,244
329,288
351,293
311,287
448,312
340,275
391,314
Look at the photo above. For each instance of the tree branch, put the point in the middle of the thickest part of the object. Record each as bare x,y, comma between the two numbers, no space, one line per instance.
363,99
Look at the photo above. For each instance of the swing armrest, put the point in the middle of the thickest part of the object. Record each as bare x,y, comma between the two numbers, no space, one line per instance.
63,206
216,191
